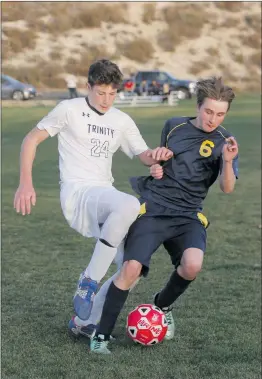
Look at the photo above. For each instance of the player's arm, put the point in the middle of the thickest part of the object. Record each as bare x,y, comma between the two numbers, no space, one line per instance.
155,156
228,173
25,195
50,125
156,170
134,144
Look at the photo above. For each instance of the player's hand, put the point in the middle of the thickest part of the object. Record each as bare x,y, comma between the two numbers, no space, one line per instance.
230,149
156,171
25,197
160,154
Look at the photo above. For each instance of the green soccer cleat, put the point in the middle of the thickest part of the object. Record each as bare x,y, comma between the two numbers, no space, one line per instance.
170,324
98,345
170,320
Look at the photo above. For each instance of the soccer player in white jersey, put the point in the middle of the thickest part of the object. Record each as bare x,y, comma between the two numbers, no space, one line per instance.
90,130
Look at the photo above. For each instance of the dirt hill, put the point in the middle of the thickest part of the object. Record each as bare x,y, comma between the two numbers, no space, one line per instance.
43,42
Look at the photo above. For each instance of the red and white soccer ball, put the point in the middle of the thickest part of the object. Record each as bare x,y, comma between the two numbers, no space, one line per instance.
146,324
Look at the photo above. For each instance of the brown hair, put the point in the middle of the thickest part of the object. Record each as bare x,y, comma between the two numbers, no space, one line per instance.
213,88
105,72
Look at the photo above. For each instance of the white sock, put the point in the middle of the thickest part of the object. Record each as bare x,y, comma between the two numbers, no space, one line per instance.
99,300
79,322
100,262
118,260
100,297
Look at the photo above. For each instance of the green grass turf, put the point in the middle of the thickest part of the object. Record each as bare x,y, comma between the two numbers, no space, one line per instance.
218,318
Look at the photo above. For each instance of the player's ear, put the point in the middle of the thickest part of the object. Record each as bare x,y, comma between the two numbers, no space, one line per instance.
198,108
88,86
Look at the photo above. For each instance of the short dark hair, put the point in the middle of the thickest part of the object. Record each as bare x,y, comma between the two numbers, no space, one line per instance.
213,88
105,72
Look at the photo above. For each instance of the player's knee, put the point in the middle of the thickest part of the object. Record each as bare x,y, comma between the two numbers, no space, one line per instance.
191,269
131,209
132,270
191,263
128,275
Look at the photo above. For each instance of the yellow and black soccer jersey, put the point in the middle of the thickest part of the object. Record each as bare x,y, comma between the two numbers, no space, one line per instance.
194,167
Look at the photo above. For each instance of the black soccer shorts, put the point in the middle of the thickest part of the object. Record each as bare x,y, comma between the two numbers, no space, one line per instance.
154,227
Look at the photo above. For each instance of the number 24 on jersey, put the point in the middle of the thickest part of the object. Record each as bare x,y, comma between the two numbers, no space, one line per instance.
99,149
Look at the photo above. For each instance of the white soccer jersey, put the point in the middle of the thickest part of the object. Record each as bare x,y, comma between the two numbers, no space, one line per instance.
87,140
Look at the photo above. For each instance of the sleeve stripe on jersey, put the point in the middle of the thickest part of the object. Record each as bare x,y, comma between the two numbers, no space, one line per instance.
183,123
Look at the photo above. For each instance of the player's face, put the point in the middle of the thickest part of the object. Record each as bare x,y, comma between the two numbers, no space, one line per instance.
101,97
211,114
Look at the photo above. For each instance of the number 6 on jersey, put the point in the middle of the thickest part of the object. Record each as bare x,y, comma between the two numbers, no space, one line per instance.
206,148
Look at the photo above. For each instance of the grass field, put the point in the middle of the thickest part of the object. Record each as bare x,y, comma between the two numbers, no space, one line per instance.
218,319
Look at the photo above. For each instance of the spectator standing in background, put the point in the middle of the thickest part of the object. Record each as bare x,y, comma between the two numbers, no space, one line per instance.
143,88
166,91
71,85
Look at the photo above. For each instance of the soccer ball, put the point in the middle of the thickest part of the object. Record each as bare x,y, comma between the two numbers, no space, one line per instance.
146,324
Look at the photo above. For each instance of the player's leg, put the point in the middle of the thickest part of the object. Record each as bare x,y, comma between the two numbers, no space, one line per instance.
86,328
77,326
191,241
179,281
114,301
116,211
99,299
101,294
143,239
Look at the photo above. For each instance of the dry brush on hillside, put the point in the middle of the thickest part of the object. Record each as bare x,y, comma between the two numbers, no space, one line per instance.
188,39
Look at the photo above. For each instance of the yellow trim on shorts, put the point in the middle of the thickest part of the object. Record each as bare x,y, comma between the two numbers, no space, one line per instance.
142,210
202,218
183,123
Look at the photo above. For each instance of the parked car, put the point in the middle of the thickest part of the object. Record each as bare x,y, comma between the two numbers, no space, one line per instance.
185,88
16,90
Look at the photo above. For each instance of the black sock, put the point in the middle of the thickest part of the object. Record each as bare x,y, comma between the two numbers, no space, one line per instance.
173,289
115,300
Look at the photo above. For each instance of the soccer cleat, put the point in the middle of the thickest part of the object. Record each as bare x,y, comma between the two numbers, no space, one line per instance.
75,330
98,345
84,297
170,324
170,320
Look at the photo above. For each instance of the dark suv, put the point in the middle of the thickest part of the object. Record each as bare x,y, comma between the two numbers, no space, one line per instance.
185,88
